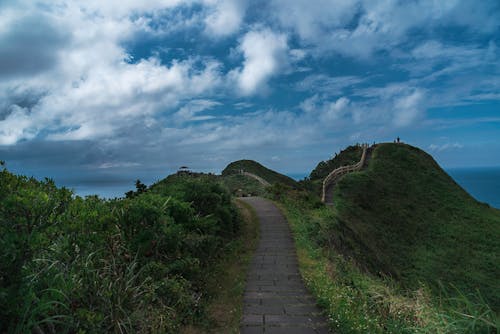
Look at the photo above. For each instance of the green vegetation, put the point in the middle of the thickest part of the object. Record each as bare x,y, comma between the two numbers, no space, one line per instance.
403,249
406,217
356,301
226,283
254,167
348,156
242,185
134,265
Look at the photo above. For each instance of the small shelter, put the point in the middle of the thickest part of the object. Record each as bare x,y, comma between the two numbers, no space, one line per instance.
184,170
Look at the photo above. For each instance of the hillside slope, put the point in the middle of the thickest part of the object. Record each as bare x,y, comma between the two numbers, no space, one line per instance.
348,156
254,167
404,216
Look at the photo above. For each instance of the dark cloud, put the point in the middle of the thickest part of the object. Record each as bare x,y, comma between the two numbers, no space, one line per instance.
63,153
25,99
30,46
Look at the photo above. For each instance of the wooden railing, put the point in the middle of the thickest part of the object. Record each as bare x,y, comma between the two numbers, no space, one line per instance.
341,171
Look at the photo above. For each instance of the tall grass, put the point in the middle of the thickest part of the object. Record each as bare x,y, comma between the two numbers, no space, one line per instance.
87,265
356,301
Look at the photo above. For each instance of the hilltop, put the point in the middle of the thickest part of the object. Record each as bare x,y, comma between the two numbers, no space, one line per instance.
403,248
256,168
235,181
406,217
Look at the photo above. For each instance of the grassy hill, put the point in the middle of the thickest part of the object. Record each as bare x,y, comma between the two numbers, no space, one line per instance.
404,249
254,167
348,156
242,185
406,217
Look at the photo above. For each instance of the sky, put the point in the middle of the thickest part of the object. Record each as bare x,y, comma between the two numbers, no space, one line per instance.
119,89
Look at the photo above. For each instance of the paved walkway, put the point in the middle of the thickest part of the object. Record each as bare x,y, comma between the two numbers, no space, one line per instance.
276,300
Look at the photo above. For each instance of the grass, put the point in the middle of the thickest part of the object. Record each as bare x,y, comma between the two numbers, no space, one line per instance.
242,185
348,156
405,217
227,282
356,301
404,249
259,170
339,287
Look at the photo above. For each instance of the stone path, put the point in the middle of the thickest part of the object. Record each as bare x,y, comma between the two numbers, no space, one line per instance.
276,300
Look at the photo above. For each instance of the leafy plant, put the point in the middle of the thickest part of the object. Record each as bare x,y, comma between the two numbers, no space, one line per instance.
133,265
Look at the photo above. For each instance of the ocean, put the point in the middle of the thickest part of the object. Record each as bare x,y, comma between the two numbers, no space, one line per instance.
482,183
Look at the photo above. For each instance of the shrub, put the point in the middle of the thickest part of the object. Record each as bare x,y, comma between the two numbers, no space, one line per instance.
125,265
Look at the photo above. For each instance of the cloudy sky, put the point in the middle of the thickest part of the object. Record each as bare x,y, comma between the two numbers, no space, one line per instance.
123,87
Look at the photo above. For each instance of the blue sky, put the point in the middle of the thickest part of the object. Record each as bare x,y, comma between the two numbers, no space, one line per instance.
126,88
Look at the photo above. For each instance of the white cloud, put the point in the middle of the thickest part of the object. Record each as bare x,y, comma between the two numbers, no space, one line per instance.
92,90
190,111
87,86
264,52
408,108
361,27
116,96
114,164
243,105
309,20
225,17
297,55
15,126
324,110
327,84
465,72
263,129
445,147
122,8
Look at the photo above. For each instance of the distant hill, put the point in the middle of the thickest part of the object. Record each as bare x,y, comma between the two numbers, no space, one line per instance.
242,185
256,168
404,216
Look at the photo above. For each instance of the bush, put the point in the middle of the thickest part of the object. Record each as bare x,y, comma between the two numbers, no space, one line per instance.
125,265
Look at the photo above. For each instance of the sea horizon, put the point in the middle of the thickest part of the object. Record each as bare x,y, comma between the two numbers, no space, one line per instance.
482,183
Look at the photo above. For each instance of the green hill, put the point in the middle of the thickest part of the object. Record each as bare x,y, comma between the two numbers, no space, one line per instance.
405,217
348,156
254,167
242,185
